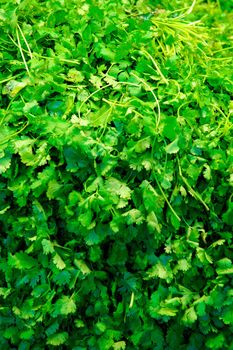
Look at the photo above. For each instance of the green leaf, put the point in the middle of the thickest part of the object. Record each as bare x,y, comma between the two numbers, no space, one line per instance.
142,145
183,265
62,278
152,222
82,266
4,210
92,238
190,316
57,339
64,306
165,311
228,215
27,334
170,128
86,218
52,328
117,187
47,246
160,270
21,261
120,345
13,87
53,189
25,149
10,332
228,315
107,53
173,147
203,256
225,267
4,292
216,342
135,91
201,309
134,216
57,260
5,163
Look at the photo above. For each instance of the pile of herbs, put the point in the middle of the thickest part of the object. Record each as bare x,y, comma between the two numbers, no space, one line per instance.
116,174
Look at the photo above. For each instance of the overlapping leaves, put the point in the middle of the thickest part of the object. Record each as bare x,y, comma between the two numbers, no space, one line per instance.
116,175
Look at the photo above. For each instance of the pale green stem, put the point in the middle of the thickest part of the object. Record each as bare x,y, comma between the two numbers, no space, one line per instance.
191,190
21,51
25,40
156,65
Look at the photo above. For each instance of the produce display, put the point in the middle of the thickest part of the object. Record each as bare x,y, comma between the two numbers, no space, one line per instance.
116,174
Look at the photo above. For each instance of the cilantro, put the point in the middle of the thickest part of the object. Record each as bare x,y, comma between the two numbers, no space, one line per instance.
116,174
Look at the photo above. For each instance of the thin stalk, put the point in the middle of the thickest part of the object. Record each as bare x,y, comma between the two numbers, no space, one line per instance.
191,8
92,94
121,83
14,134
225,48
21,51
131,300
156,100
106,121
10,78
45,57
166,199
25,40
155,64
193,193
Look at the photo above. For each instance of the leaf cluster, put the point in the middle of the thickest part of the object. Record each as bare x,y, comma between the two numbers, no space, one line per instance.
116,175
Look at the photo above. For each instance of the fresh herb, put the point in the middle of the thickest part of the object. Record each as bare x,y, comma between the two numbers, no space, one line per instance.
116,174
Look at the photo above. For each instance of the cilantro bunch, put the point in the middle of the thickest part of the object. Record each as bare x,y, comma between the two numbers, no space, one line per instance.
116,175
